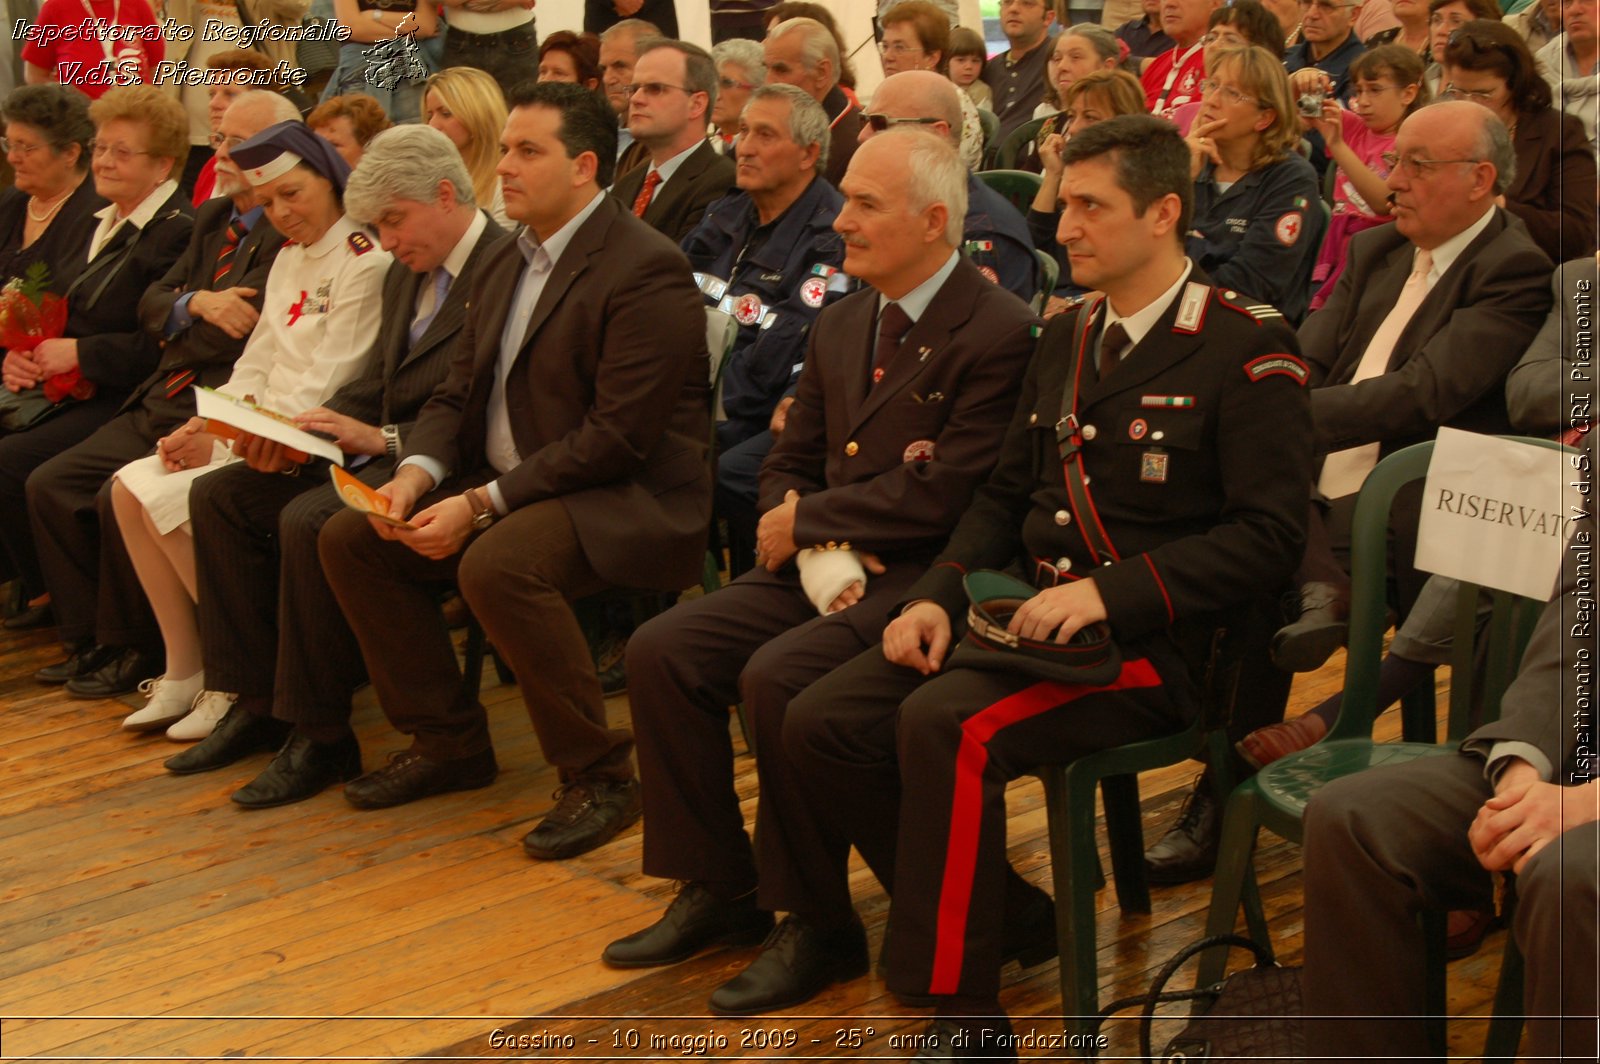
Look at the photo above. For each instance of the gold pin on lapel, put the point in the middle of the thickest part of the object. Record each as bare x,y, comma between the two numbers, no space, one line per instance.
923,353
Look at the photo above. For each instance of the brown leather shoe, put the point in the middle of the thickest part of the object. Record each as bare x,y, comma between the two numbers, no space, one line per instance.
1265,745
410,775
588,813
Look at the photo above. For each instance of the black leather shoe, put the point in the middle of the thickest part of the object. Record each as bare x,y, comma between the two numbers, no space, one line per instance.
410,775
84,659
986,1039
1188,851
695,920
31,617
798,961
119,676
302,768
1029,935
588,813
1306,644
237,735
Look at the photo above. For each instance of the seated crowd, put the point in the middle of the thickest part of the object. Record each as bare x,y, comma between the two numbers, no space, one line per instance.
575,311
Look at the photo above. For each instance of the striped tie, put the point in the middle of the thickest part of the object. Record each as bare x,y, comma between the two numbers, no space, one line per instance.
647,191
236,232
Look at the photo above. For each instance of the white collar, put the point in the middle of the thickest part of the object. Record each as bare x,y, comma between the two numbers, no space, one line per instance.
140,216
670,167
456,261
531,244
1445,255
916,302
1138,324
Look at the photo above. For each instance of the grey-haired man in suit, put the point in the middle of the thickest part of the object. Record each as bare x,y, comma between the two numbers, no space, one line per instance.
261,583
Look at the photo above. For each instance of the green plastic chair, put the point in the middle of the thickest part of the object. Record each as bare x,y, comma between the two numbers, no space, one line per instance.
1012,146
1276,797
1018,186
1070,810
1049,273
991,135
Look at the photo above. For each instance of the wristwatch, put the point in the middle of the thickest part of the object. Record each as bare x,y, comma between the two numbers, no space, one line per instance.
391,440
483,514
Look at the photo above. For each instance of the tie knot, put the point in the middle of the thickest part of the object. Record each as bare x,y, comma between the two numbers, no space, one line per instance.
894,322
1422,265
651,180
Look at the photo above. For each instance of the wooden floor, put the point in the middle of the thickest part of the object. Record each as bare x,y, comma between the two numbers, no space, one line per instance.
146,917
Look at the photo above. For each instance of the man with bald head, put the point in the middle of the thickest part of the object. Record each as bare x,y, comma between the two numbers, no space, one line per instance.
897,416
802,52
995,236
203,310
1426,321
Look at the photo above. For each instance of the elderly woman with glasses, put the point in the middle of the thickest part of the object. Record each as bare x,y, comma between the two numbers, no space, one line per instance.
61,390
319,317
741,68
1257,216
1554,190
916,36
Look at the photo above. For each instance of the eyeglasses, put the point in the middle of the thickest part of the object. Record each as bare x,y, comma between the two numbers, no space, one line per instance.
1217,38
1229,94
1322,5
116,151
1417,167
222,143
657,88
9,146
1451,20
897,48
728,84
1452,91
881,122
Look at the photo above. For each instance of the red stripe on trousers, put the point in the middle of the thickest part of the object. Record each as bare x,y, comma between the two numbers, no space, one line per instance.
966,805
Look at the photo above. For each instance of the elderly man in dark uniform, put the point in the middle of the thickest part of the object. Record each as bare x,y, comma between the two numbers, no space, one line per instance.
261,582
768,256
897,419
564,454
1151,480
802,52
203,310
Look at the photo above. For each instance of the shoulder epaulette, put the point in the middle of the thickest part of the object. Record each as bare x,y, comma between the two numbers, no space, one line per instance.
1260,312
359,243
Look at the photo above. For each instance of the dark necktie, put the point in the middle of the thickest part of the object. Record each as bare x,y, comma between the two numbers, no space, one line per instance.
641,202
230,244
1111,345
893,324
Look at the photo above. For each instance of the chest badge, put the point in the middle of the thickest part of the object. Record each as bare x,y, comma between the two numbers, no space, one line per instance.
1138,429
1153,467
747,309
918,451
812,291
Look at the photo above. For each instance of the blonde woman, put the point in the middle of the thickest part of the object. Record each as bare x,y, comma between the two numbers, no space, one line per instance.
466,105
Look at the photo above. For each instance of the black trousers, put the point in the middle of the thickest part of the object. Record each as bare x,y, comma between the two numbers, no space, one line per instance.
269,624
94,590
759,641
912,771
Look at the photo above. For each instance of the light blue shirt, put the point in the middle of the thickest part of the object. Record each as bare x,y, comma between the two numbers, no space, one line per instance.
917,301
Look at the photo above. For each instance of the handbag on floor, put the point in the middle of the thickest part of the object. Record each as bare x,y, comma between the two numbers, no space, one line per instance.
1255,1014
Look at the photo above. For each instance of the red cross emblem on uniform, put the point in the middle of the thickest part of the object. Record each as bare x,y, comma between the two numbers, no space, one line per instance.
747,308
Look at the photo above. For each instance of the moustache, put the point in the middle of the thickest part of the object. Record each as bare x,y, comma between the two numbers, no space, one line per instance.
855,242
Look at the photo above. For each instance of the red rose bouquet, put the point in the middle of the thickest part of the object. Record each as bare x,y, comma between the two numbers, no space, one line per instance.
29,315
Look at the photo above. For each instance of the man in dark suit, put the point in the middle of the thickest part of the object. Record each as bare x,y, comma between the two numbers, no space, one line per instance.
1427,319
261,583
802,52
676,85
202,311
566,453
1519,797
1152,480
896,420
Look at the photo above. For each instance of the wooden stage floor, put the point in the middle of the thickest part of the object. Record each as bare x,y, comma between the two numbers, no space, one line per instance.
146,917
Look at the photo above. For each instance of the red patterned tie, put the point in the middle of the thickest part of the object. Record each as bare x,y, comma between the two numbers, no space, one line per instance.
641,202
236,231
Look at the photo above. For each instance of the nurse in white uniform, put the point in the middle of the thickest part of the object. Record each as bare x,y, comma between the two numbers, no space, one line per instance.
319,318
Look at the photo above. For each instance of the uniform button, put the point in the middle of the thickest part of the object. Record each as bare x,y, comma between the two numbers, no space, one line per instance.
831,545
1063,518
845,545
1033,419
1063,564
1089,432
851,448
1158,434
1106,562
1086,479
